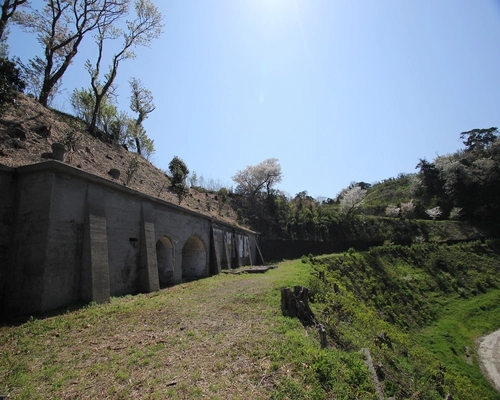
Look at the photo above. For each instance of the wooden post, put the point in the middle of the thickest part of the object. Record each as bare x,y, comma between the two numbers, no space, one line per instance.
322,336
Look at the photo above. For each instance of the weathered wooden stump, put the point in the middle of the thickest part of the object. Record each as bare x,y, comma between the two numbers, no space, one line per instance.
296,304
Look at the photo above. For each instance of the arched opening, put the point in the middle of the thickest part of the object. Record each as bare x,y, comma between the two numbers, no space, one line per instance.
166,261
194,259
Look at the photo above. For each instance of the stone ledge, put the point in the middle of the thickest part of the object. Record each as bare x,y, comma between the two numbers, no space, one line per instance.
249,270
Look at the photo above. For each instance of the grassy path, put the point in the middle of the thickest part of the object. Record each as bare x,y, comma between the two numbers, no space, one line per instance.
222,337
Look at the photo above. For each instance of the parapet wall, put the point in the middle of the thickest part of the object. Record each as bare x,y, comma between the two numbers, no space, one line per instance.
68,236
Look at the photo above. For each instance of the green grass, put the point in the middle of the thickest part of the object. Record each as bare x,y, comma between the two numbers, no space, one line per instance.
221,337
462,323
418,308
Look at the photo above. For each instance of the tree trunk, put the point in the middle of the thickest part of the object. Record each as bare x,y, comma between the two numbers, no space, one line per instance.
138,145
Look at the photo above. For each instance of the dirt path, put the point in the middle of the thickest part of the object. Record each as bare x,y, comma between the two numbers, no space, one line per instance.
488,353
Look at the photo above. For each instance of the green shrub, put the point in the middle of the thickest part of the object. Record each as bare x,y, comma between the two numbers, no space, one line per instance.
10,82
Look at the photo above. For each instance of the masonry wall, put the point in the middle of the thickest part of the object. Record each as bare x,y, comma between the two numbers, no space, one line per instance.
77,237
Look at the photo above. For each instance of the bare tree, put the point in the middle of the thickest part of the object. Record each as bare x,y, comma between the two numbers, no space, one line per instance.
146,26
8,9
141,102
61,26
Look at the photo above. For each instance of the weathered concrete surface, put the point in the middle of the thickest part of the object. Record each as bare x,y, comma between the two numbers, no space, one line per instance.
94,284
69,236
25,282
7,192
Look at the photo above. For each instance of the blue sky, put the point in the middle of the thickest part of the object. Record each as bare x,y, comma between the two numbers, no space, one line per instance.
338,91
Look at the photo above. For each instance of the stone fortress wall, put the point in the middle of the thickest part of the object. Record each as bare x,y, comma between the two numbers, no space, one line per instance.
68,236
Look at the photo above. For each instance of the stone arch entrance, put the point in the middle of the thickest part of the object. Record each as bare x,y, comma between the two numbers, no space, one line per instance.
165,256
194,259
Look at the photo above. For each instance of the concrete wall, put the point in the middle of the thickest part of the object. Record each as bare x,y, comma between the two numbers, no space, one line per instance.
25,278
69,236
7,194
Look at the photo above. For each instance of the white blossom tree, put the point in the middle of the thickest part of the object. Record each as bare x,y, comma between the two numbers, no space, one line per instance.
392,211
408,210
254,179
434,213
352,200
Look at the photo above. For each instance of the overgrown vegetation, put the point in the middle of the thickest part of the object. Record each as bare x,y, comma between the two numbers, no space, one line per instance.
179,171
10,82
118,126
415,307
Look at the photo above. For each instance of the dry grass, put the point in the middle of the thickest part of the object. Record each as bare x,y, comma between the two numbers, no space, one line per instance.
215,338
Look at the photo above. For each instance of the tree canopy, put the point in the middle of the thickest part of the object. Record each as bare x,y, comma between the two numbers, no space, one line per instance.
179,171
9,8
254,179
61,26
146,26
10,82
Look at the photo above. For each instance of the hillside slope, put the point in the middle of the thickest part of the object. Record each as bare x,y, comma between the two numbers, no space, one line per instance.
28,130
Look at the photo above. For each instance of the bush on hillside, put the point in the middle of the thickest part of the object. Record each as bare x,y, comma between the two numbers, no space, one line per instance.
10,82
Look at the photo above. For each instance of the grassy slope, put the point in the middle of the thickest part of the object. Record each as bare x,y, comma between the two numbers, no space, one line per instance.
453,336
420,309
222,337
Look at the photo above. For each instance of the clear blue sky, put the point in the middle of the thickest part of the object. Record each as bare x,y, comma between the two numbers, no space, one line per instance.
338,91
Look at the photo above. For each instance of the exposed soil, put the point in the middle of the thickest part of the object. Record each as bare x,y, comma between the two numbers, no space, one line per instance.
28,130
